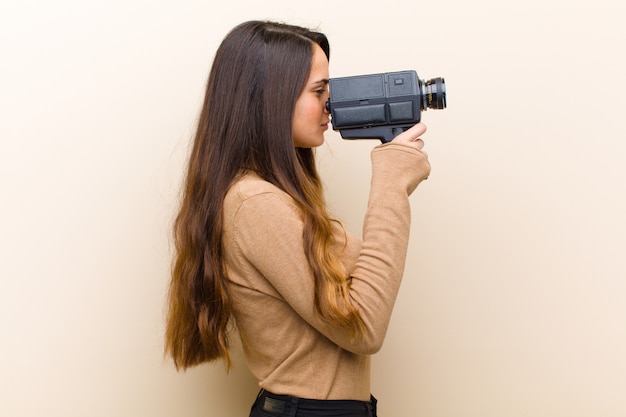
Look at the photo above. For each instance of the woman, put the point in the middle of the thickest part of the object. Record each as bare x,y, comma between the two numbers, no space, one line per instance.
256,246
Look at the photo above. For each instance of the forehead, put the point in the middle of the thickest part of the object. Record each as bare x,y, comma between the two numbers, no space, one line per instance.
319,64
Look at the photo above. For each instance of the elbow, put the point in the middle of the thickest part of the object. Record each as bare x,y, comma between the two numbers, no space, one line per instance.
367,344
374,346
372,349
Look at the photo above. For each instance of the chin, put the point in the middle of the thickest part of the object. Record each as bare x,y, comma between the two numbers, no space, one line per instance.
320,143
311,143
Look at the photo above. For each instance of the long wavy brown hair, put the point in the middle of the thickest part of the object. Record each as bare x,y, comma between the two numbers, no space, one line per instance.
257,75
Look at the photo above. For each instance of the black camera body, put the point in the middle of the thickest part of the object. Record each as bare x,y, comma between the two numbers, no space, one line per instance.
381,106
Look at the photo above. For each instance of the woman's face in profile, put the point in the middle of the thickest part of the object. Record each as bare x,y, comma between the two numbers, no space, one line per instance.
311,119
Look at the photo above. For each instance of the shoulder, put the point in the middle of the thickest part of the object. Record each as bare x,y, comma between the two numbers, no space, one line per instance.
257,216
249,184
252,191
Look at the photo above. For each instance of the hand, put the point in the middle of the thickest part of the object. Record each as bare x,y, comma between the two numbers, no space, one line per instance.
411,137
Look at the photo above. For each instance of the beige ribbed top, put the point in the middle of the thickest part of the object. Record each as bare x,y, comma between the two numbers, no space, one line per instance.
288,347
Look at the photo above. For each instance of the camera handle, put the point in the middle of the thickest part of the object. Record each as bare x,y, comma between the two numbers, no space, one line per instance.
384,133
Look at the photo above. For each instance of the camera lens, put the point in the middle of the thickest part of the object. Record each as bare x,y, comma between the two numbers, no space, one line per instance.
434,93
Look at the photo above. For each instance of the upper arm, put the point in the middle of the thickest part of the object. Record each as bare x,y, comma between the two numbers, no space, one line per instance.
268,232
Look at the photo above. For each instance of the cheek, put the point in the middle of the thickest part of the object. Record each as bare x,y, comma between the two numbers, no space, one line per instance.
302,109
300,120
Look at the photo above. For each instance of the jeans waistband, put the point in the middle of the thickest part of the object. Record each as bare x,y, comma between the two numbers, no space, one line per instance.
289,406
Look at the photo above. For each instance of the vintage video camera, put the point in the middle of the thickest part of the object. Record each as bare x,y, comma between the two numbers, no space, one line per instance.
381,106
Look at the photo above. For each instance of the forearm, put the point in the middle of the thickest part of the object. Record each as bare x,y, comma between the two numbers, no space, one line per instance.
396,172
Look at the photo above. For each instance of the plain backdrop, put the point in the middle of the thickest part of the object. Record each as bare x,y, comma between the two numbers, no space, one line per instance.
513,298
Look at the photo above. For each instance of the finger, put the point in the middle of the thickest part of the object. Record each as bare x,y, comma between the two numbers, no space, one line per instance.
419,143
411,134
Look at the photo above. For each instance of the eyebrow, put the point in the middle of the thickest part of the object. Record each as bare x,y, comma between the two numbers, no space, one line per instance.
322,81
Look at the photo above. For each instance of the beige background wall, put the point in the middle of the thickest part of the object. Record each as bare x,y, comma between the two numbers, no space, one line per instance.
513,300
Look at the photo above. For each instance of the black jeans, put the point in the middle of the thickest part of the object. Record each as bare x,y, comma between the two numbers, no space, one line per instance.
272,405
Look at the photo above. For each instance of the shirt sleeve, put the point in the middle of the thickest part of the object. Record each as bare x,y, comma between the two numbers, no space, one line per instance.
268,233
